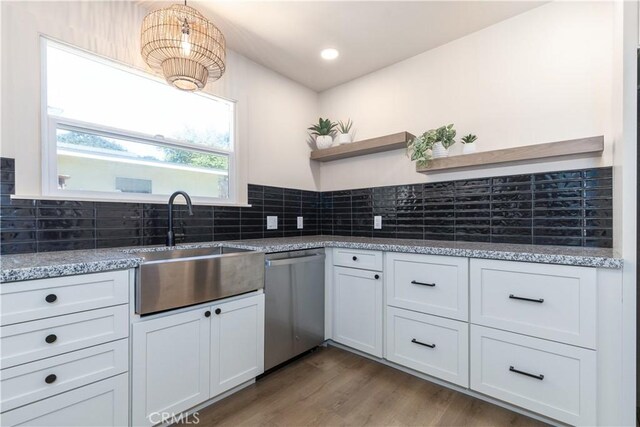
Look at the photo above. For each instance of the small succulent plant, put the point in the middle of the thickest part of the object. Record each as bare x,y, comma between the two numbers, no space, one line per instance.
345,127
323,127
469,139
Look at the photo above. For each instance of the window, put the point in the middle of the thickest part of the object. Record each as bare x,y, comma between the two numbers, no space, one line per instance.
112,131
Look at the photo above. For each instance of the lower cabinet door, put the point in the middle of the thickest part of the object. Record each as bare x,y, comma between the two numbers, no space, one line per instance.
429,344
357,309
552,379
237,343
170,365
104,403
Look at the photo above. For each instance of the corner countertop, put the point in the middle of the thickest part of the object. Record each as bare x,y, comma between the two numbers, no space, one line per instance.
41,265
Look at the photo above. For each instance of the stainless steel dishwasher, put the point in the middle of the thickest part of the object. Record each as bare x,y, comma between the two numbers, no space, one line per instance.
294,304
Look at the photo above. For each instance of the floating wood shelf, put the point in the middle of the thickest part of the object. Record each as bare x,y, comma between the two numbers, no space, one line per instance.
360,148
584,146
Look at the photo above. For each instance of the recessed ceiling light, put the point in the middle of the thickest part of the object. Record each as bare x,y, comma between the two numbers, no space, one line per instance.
329,54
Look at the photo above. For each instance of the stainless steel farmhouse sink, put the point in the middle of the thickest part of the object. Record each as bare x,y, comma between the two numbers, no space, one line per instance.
171,279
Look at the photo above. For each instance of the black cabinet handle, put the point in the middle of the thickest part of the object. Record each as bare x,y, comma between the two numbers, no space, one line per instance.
218,311
207,313
50,339
377,276
539,300
51,298
415,282
538,377
355,258
50,378
415,341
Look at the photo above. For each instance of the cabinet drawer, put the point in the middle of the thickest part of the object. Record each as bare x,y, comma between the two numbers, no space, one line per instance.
26,342
33,381
555,302
430,284
553,379
37,299
429,344
104,403
356,258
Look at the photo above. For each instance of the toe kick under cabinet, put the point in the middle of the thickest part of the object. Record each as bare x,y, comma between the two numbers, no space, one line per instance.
64,351
545,338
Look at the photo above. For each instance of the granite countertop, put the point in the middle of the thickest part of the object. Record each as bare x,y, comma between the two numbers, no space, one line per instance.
54,264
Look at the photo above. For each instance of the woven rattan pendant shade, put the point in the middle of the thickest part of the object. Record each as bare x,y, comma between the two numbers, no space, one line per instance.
184,46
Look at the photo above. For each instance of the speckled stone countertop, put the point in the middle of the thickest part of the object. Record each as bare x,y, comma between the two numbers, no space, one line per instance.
65,263
54,264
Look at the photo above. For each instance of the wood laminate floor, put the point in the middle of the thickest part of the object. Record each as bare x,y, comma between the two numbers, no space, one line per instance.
333,387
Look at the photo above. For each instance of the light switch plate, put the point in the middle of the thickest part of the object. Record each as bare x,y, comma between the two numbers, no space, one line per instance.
272,223
300,223
377,222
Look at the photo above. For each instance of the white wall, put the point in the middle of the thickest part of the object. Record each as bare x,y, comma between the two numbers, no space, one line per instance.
625,191
542,76
272,110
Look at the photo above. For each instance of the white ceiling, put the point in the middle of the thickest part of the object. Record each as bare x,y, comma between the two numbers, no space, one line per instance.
287,36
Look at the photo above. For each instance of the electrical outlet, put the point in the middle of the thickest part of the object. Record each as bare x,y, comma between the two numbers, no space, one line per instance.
377,222
300,223
272,223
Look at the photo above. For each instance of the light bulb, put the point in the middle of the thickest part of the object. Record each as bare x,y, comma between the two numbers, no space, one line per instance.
185,45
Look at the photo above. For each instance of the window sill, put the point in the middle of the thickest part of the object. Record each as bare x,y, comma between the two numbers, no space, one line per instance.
159,199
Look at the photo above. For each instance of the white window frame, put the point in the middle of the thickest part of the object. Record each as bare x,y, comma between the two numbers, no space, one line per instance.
51,123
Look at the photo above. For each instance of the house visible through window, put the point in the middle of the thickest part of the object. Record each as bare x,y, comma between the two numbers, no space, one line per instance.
111,130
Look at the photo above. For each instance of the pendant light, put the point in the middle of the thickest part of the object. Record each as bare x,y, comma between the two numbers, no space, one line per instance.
184,46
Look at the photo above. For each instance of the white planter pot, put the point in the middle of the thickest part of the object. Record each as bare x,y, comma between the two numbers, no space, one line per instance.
469,148
324,141
344,138
438,151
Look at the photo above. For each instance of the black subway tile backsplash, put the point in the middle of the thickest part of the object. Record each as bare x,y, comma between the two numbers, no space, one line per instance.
569,208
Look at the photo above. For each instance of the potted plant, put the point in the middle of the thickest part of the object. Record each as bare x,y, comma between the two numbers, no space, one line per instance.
469,142
344,137
419,148
444,139
323,131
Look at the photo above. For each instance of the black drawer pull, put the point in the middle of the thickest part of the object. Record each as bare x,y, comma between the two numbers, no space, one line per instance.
415,341
218,311
355,258
50,378
50,339
207,313
539,300
51,298
415,282
538,377
377,276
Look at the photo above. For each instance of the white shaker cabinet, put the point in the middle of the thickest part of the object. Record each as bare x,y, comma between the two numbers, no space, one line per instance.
184,359
170,365
357,309
237,343
64,351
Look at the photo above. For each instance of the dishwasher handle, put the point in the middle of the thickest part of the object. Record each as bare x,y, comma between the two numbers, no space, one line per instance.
294,260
